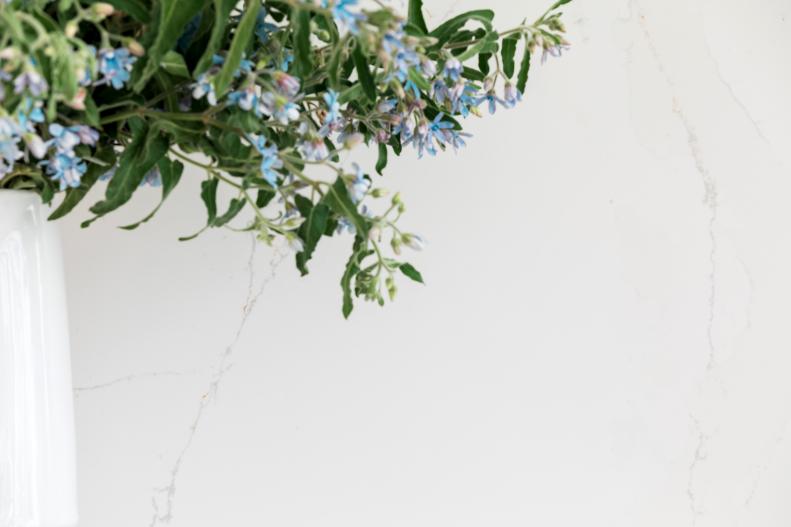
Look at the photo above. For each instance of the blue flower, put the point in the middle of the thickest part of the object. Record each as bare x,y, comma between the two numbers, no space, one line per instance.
453,69
153,178
464,98
247,98
286,84
245,66
286,62
263,28
9,145
29,114
344,224
88,136
115,65
410,86
493,101
68,169
279,107
343,17
64,139
512,95
333,106
403,57
270,160
203,86
332,121
358,186
31,80
314,149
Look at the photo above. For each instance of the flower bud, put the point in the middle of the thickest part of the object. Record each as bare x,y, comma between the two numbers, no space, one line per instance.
488,84
379,193
294,242
78,102
353,140
9,53
135,48
102,9
391,287
413,241
375,233
36,145
71,29
396,198
395,243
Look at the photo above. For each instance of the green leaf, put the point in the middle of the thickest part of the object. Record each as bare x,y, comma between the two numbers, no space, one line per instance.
445,32
170,172
148,146
311,230
138,9
410,271
524,69
222,12
208,193
173,17
351,93
483,62
91,112
558,4
415,15
95,171
419,80
236,205
337,198
352,268
334,64
363,73
381,161
174,64
487,44
303,53
264,197
473,75
508,52
240,41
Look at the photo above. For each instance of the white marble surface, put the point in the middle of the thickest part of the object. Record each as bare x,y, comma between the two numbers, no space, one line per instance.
604,342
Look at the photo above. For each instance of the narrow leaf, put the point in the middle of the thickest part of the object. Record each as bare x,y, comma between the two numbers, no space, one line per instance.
173,17
303,54
222,12
337,198
508,52
352,268
524,69
415,15
75,195
174,64
381,161
445,32
363,73
311,230
410,271
241,39
148,146
234,208
170,172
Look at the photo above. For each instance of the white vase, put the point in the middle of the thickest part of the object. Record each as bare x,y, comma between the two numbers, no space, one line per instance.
37,444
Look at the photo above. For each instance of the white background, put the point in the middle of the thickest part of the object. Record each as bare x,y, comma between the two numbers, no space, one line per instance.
603,339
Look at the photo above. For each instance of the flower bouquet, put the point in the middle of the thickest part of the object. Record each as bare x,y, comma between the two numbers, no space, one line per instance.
260,95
